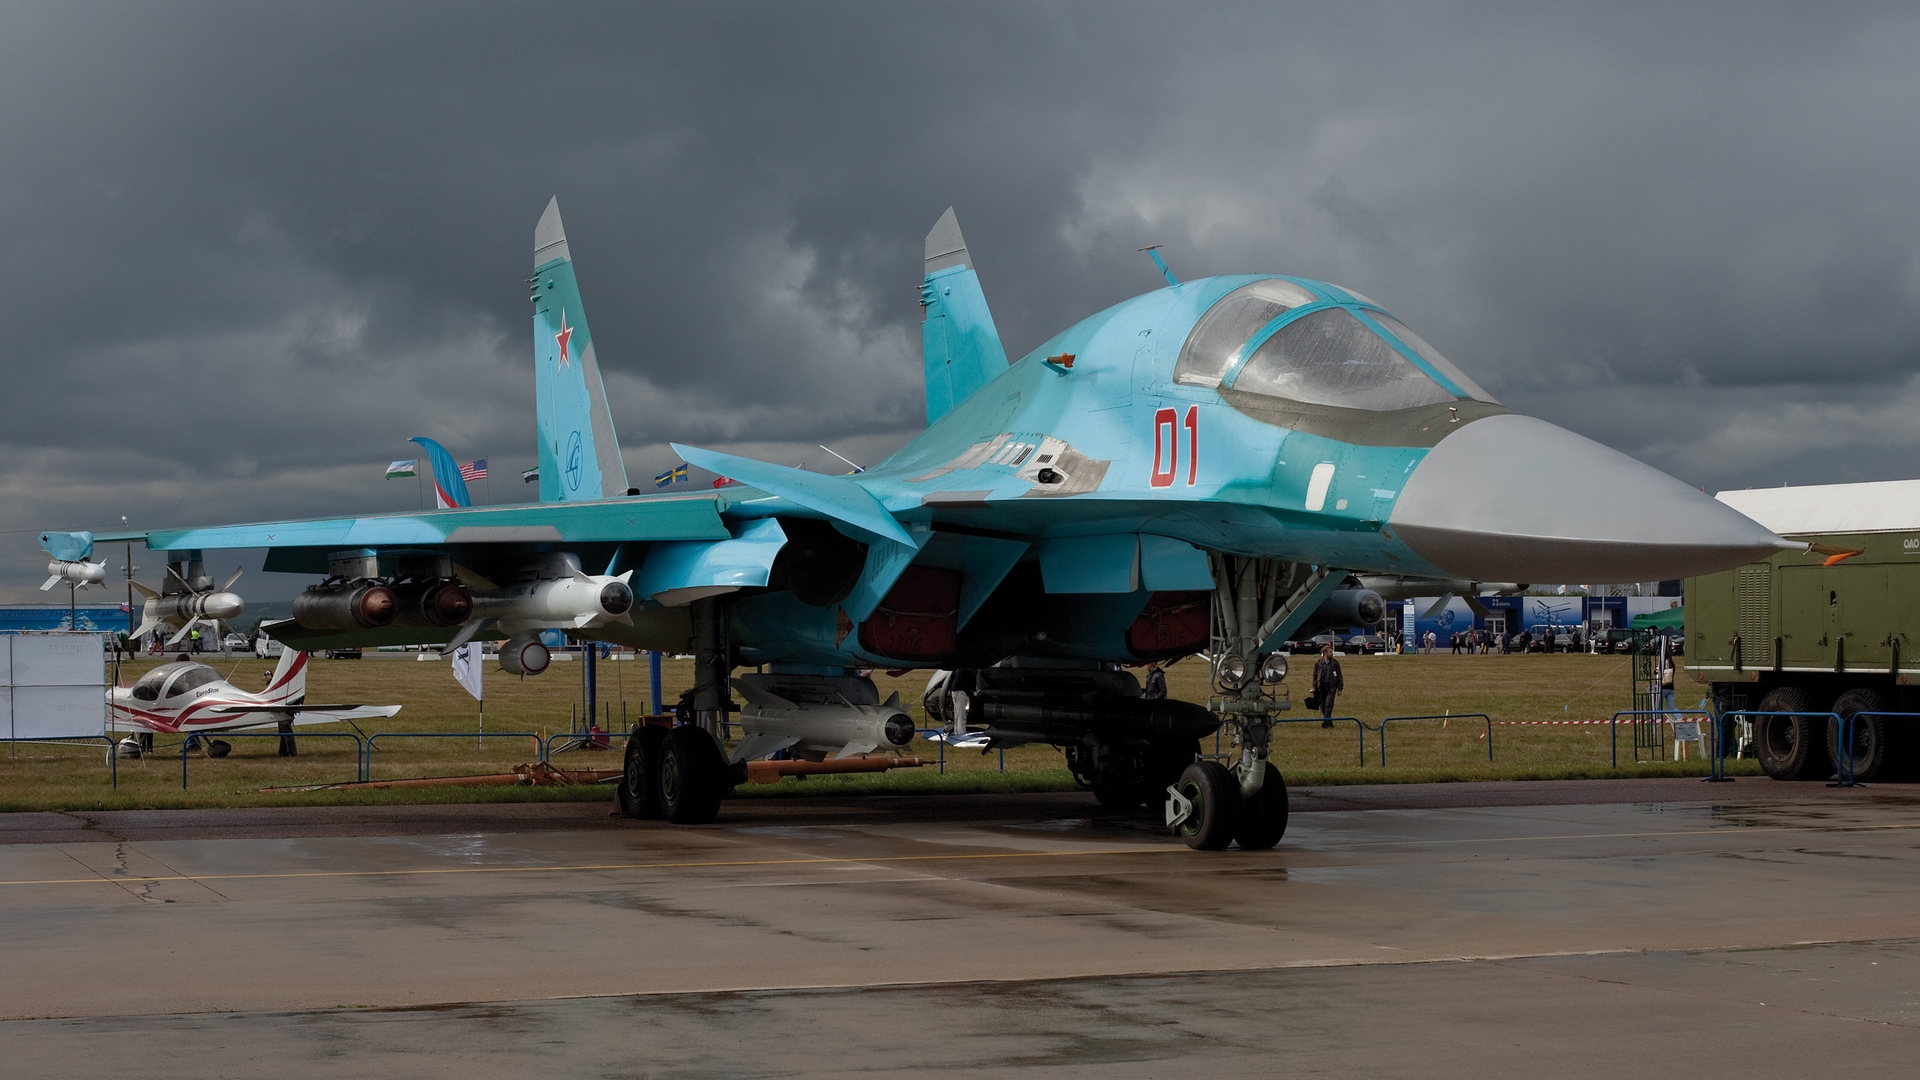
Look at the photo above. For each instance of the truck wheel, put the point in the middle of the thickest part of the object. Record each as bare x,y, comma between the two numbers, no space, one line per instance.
1790,747
1873,757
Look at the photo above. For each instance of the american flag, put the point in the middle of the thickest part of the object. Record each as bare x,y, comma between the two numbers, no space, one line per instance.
474,470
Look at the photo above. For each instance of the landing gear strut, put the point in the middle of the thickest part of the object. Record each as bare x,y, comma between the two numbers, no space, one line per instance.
1256,603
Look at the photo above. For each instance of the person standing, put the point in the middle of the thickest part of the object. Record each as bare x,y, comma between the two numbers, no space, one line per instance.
1328,682
1156,684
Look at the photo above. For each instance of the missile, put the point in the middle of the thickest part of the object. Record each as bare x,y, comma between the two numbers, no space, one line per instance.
817,729
179,611
578,602
78,574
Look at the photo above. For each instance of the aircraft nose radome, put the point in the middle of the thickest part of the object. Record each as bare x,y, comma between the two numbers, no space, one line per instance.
1513,498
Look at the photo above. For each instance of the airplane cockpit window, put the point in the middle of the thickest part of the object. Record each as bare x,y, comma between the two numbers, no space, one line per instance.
1328,357
148,688
193,678
1431,355
1228,324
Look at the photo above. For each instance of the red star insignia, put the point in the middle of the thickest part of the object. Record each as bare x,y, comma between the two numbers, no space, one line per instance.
565,333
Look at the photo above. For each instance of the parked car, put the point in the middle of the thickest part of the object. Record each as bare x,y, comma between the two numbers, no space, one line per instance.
1612,639
1367,643
234,643
1313,644
343,654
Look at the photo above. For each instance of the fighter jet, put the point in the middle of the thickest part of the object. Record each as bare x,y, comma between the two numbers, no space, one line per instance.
185,698
1196,469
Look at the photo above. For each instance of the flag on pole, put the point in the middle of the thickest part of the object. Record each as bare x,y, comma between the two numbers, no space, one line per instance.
401,468
675,475
528,476
467,667
722,481
474,470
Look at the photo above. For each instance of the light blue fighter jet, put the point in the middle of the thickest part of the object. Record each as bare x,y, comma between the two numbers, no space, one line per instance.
1199,469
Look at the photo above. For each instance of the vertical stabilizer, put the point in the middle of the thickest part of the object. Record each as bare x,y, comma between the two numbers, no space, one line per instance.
960,344
288,684
579,455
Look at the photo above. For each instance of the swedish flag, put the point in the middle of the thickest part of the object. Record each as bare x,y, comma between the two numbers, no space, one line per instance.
675,475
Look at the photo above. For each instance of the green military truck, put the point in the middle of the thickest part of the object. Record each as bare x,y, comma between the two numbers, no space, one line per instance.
1795,633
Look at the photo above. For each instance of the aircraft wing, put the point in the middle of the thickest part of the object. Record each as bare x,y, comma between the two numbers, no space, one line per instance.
302,546
358,711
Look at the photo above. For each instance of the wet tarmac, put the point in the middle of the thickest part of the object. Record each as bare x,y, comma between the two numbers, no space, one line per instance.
1576,928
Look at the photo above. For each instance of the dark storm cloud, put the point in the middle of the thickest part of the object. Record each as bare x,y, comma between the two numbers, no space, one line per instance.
253,248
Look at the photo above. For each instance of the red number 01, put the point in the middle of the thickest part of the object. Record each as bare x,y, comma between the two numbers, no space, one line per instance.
1166,446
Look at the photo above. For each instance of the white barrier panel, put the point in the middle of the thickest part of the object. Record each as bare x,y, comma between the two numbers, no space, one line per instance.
52,685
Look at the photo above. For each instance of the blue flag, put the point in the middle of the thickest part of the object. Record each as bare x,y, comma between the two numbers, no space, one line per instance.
675,475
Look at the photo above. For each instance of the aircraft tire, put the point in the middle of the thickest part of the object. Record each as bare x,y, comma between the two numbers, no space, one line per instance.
692,777
1263,818
1216,806
218,748
1790,747
1873,738
640,785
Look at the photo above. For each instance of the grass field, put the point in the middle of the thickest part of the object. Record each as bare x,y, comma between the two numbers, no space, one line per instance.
1508,688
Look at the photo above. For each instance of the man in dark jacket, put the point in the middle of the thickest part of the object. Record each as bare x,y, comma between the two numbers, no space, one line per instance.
1156,689
1327,682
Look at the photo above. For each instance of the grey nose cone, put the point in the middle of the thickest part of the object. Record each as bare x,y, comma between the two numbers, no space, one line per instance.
1512,498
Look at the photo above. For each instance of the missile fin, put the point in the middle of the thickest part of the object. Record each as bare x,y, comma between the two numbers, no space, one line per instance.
144,591
755,747
764,698
853,749
893,702
465,635
51,582
472,580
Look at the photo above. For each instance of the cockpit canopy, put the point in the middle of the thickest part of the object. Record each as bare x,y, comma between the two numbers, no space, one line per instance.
184,676
1280,338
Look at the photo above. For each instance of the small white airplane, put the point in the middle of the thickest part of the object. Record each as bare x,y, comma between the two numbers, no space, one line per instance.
185,698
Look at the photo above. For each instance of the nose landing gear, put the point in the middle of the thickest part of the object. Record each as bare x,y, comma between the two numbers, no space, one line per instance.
1255,602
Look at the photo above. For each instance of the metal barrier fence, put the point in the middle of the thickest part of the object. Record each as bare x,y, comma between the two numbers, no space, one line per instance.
539,744
187,744
1442,716
1659,717
113,758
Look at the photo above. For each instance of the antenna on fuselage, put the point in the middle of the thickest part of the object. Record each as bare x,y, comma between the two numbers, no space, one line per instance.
1153,252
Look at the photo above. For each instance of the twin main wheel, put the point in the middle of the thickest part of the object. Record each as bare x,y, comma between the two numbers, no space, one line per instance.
678,774
1220,816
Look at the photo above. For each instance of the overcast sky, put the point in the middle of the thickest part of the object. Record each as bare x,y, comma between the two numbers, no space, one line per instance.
252,248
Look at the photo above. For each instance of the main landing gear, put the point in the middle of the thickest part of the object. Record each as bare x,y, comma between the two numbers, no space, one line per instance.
677,773
1255,602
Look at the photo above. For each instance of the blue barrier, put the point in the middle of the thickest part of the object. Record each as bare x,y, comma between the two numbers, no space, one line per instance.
1361,728
366,772
1665,716
1440,716
187,744
113,757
